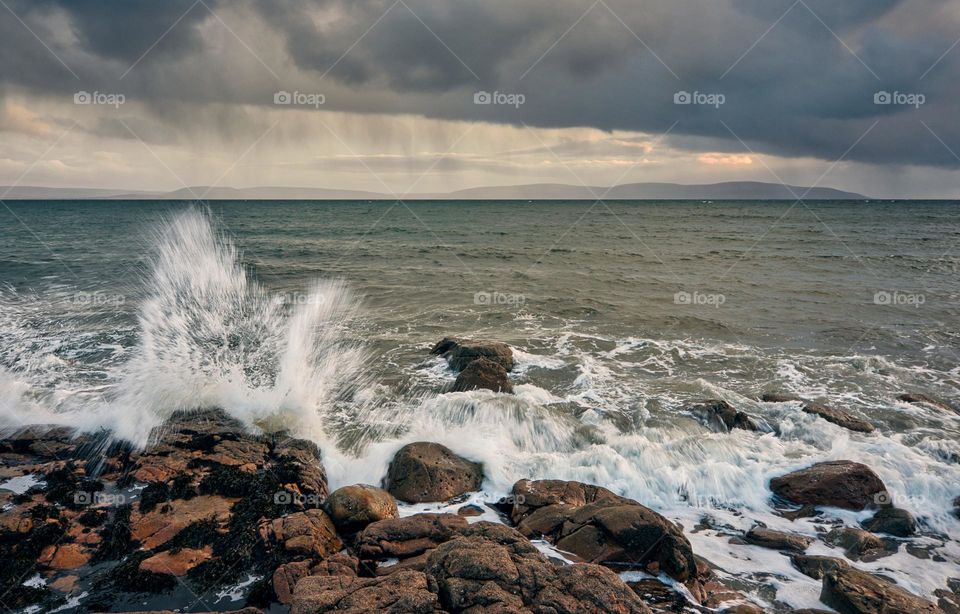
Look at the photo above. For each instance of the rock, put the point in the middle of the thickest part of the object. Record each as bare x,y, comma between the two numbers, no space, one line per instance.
658,596
459,353
857,543
176,564
777,540
407,537
724,416
64,556
424,472
530,495
925,399
892,521
285,577
851,591
470,511
65,584
843,484
353,507
309,533
492,568
779,397
406,592
483,374
624,535
162,524
838,417
817,566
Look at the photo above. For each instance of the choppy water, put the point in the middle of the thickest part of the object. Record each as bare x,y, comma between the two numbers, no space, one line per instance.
317,317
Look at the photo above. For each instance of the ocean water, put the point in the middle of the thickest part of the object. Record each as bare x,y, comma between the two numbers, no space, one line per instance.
318,317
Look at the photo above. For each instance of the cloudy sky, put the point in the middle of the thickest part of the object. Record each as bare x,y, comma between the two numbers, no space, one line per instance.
389,95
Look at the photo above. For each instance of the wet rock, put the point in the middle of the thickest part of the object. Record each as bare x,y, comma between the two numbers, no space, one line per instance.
162,524
838,417
659,597
924,399
353,507
424,472
777,540
406,592
843,484
624,535
817,566
851,591
286,576
64,556
857,543
470,511
309,533
459,353
779,397
892,521
176,563
483,374
527,496
724,416
406,537
491,567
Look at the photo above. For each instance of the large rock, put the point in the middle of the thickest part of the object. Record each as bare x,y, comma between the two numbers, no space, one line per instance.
408,537
624,535
406,592
483,374
425,472
857,543
892,521
164,523
459,353
925,399
492,568
851,591
777,540
308,533
527,496
722,416
286,577
177,563
843,484
817,566
838,417
353,507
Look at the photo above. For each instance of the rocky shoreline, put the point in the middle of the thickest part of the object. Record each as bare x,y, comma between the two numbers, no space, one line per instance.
209,507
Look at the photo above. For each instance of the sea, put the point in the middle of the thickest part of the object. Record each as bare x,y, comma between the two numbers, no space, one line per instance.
318,317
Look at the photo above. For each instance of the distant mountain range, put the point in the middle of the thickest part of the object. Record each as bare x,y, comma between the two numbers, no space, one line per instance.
735,190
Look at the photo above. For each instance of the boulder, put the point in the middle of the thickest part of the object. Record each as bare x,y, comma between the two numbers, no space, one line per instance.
838,417
285,577
843,484
483,374
624,535
425,472
777,540
723,416
925,399
470,511
857,543
817,566
176,563
892,521
459,353
851,591
527,496
308,533
406,592
779,397
406,537
353,507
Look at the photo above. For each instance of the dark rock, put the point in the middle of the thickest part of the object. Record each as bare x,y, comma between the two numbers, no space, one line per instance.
527,496
925,399
286,576
779,397
838,417
406,592
309,533
423,472
851,591
817,566
843,484
724,416
777,540
857,543
353,507
483,374
658,596
406,537
892,521
459,353
470,511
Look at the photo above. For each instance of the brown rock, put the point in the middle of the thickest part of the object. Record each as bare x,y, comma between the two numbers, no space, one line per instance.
459,353
64,556
402,593
777,540
838,417
353,507
17,520
851,591
163,523
842,484
892,521
530,495
238,453
817,566
483,374
779,397
925,399
406,537
176,564
723,416
64,584
423,472
310,533
470,511
285,578
857,543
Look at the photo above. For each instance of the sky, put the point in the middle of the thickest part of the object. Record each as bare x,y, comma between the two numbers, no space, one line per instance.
406,96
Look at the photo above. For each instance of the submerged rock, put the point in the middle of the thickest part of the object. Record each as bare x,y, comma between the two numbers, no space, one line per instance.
838,417
527,496
817,566
483,374
843,484
777,540
353,507
723,415
851,591
459,352
892,521
426,472
924,399
857,543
